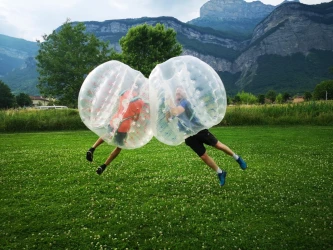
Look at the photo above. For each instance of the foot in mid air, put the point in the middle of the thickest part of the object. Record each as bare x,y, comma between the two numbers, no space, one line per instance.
101,169
90,154
222,177
242,163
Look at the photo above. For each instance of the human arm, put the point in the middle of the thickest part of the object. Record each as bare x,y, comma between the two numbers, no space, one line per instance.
175,110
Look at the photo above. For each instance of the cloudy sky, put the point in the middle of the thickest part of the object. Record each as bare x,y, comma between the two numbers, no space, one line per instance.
31,19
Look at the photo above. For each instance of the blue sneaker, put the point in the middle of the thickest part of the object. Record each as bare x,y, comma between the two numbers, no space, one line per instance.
222,177
242,163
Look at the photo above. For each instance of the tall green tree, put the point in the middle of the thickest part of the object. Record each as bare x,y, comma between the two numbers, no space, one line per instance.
323,90
247,98
7,99
279,98
271,95
23,100
237,99
307,96
145,46
286,96
261,99
65,58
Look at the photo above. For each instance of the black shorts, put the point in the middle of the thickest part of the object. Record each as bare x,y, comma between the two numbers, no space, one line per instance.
196,142
119,137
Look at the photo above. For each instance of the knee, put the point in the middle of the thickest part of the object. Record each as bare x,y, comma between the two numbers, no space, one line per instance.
204,157
116,151
218,145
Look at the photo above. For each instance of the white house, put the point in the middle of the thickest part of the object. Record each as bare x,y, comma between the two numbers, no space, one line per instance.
39,100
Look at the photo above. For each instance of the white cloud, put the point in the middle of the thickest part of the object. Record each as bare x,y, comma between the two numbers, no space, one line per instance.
118,4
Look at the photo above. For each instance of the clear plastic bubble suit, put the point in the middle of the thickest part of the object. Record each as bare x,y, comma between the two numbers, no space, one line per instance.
196,82
114,103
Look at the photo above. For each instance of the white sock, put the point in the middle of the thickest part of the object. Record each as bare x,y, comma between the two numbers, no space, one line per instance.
236,157
219,171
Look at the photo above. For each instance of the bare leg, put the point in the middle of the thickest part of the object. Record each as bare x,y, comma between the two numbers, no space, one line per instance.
228,151
112,156
220,146
90,152
209,161
98,142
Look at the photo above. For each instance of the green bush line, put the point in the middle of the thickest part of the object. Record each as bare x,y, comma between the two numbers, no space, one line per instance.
309,113
30,120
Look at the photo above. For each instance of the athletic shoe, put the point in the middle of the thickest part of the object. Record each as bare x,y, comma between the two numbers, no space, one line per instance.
90,154
222,177
242,163
101,169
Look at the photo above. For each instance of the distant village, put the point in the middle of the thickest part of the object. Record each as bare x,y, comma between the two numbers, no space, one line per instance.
40,102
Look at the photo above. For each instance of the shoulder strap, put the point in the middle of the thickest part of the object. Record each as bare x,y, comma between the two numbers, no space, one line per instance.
135,99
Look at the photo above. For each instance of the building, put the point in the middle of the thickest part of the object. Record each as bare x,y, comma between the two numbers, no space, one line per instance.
298,99
39,101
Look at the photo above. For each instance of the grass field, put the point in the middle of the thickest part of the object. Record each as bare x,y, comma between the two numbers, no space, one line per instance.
163,197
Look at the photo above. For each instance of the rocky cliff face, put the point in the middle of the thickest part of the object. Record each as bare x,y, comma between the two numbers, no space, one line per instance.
235,10
233,16
219,64
297,27
12,57
291,28
113,30
14,53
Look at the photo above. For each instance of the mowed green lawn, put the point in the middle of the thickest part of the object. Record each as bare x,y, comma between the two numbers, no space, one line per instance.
164,197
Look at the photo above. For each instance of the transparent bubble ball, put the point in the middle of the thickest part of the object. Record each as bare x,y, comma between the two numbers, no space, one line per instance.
114,103
198,84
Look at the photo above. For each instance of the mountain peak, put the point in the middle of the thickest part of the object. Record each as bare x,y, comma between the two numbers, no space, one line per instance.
235,9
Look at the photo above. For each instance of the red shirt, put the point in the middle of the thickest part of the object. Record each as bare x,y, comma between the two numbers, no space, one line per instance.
127,112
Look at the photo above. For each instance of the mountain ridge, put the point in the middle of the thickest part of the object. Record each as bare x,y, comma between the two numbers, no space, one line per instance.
239,58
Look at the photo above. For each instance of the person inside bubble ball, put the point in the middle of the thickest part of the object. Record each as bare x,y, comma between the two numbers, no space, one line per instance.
182,109
130,106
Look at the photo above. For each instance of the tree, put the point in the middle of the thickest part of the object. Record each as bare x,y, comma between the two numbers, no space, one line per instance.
307,96
23,100
271,95
247,98
261,99
237,99
7,99
279,98
286,96
145,46
228,100
65,58
323,90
